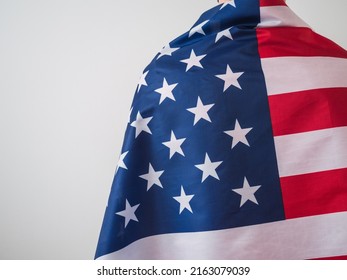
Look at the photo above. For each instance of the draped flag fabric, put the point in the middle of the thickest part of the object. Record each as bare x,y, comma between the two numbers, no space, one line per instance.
236,146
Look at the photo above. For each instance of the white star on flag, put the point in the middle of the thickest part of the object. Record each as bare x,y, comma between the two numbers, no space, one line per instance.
121,163
166,91
193,60
225,33
208,168
198,29
167,50
142,81
184,200
128,213
152,177
141,124
247,192
231,2
174,145
230,78
238,134
201,111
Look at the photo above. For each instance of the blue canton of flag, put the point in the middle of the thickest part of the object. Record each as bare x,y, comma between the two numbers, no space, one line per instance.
199,152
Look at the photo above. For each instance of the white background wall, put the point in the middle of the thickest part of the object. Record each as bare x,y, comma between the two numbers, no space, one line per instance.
68,71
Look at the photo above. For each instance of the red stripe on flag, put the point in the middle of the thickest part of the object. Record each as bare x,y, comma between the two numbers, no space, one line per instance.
273,42
333,258
308,110
264,3
314,194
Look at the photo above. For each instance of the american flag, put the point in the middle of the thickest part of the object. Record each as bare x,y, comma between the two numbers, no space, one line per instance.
236,146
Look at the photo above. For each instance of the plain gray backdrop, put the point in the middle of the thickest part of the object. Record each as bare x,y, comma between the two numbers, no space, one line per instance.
68,71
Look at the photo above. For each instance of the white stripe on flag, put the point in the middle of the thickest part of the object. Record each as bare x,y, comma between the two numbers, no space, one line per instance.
277,16
292,74
303,238
312,151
